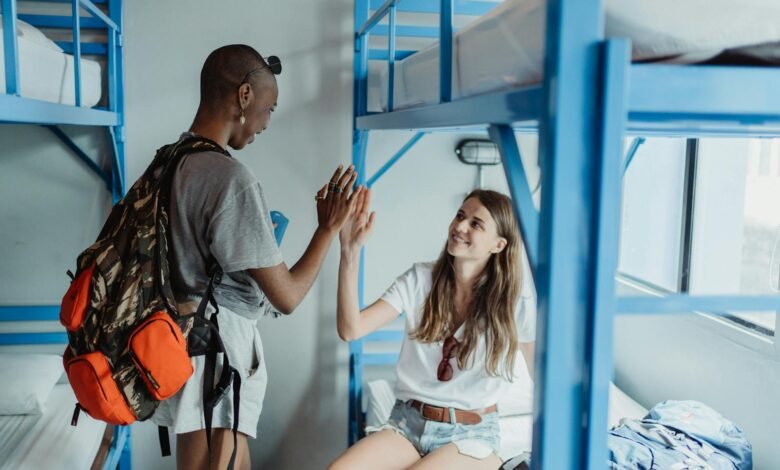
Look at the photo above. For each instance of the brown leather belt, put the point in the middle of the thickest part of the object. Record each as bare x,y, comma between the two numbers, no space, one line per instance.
437,413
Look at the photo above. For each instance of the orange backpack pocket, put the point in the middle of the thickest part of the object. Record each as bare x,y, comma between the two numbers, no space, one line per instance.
95,388
76,300
160,353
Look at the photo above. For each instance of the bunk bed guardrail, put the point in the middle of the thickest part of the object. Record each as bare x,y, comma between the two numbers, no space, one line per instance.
16,109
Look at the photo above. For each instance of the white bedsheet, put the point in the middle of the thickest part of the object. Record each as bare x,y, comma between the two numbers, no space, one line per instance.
48,441
505,48
46,73
516,431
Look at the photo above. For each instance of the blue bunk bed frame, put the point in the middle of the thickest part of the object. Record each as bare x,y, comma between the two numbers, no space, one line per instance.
592,96
15,109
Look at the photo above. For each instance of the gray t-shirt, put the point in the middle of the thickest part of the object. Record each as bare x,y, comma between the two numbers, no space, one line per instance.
218,212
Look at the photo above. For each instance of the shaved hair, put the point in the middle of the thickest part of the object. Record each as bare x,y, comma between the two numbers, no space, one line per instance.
225,69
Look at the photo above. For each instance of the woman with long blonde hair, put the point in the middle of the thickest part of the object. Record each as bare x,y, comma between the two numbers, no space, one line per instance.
465,324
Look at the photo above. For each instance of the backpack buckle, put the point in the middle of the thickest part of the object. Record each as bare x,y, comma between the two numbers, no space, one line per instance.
219,392
215,273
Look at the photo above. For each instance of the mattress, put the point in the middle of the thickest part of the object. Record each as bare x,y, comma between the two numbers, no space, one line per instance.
516,430
46,73
49,441
505,48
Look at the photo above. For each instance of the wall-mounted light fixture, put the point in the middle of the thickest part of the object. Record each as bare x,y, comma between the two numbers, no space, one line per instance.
479,152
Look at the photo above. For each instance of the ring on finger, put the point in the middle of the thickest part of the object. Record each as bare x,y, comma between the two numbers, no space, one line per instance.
336,190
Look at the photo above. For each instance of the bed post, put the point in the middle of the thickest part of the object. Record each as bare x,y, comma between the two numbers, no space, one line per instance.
359,142
569,146
10,47
616,57
526,214
126,457
117,97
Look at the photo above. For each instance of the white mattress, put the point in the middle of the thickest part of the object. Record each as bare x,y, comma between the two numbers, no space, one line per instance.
46,73
505,48
516,430
48,441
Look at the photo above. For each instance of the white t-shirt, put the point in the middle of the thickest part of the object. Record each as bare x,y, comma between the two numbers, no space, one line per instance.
417,364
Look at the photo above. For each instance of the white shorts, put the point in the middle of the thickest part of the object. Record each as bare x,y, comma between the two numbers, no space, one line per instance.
183,412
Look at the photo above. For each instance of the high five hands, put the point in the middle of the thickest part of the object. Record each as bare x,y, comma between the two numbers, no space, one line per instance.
337,200
357,229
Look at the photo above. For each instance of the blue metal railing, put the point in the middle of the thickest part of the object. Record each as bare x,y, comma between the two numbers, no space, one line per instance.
11,48
389,9
445,50
97,19
461,7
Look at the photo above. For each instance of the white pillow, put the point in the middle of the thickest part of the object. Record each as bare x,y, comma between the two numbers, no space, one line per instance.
33,34
26,380
519,399
379,402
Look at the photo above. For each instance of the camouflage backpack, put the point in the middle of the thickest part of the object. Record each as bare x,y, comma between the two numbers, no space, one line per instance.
129,348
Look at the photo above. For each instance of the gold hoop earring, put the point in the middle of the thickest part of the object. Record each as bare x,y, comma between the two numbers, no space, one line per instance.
242,119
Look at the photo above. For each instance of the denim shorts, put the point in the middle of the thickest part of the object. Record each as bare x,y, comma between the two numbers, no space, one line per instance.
475,440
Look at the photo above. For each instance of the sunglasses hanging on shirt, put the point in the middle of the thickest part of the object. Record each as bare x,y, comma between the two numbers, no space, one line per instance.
449,349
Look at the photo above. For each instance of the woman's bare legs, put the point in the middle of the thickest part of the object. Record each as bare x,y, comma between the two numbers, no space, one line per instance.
448,457
192,452
384,450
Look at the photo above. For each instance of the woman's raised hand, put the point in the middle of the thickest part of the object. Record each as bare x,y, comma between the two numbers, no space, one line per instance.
336,201
357,229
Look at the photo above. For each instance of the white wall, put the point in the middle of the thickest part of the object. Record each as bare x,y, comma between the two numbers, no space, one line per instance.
51,207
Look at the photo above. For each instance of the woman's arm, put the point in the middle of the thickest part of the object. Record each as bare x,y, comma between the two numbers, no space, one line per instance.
286,287
352,323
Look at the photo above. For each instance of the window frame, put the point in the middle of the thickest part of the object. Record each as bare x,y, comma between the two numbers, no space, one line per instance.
730,326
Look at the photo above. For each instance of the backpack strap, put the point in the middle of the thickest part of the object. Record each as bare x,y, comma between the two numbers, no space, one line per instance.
165,443
74,420
213,394
236,402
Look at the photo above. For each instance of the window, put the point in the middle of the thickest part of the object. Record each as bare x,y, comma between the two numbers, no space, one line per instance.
652,214
704,217
737,223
